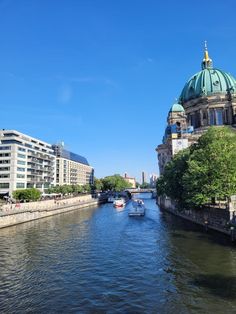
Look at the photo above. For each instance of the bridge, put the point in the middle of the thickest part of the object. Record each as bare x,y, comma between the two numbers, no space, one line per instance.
136,191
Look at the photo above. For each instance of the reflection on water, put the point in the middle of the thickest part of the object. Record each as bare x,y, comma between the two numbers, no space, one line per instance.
99,260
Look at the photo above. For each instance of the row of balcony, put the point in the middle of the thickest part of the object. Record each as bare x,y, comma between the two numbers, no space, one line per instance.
41,155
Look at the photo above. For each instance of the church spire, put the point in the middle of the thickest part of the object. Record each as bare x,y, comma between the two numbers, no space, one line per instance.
206,62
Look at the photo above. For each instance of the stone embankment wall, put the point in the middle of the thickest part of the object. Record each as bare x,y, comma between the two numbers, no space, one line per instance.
212,218
13,214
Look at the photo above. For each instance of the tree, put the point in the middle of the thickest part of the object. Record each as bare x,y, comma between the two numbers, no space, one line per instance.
87,188
76,188
204,172
211,170
27,194
98,185
171,182
115,183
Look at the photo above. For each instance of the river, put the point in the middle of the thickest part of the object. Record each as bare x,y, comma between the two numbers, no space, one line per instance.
99,260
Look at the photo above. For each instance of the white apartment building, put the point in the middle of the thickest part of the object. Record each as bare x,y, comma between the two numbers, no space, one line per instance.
25,162
72,169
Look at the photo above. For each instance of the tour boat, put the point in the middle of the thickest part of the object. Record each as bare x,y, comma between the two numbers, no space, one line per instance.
138,208
119,202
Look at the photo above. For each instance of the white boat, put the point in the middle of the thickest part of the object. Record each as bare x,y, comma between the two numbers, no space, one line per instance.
138,208
119,202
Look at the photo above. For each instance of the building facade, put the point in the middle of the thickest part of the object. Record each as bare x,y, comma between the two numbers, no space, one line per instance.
72,169
130,180
153,180
208,98
25,162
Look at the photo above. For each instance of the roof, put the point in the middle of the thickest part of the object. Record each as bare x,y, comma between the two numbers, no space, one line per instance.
207,82
177,108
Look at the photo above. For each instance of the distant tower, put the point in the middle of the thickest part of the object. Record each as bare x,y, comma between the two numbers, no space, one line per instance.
153,180
143,177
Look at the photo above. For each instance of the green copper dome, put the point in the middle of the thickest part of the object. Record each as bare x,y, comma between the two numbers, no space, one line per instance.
208,82
177,108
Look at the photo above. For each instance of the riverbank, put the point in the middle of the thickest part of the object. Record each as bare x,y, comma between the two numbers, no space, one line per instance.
13,214
210,218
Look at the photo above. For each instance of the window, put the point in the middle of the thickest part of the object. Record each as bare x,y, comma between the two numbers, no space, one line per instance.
20,176
5,155
4,168
212,117
21,149
5,147
4,185
20,162
192,120
5,175
10,134
20,169
204,116
5,161
20,155
219,116
11,142
20,185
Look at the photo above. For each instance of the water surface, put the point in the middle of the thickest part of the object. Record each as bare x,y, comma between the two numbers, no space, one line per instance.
99,260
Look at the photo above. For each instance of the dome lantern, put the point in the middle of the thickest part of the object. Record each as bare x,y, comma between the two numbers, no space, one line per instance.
206,62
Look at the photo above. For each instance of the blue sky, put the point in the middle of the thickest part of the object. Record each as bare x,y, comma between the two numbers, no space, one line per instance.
101,75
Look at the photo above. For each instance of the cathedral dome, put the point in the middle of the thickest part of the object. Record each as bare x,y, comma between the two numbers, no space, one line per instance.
176,108
208,82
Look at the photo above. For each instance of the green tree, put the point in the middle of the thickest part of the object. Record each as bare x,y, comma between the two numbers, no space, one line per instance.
87,188
115,183
27,194
203,173
77,188
211,172
98,185
65,189
171,182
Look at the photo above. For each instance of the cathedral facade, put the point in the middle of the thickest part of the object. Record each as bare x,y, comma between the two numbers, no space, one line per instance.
208,98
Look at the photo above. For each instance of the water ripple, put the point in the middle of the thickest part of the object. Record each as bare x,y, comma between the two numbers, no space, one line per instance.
101,261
